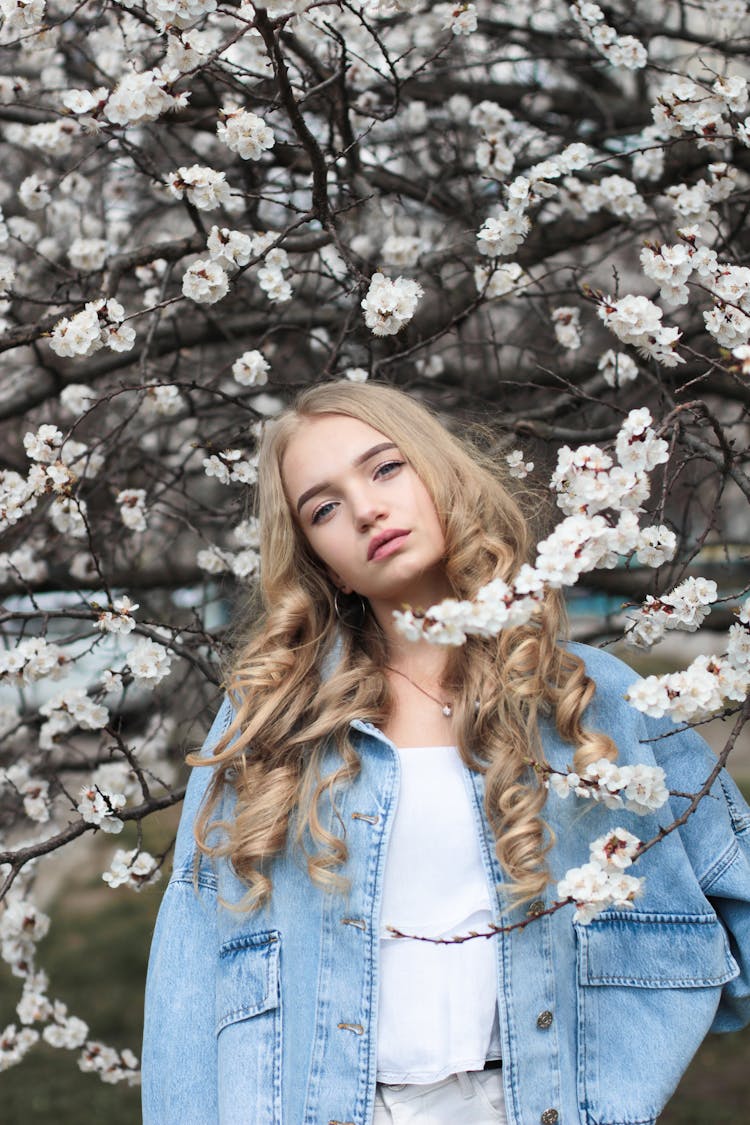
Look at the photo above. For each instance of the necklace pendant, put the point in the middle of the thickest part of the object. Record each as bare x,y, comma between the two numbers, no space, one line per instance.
447,710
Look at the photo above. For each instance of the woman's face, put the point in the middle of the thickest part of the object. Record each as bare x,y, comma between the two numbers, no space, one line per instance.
365,512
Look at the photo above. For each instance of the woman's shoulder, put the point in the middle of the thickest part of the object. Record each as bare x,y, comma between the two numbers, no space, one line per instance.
609,672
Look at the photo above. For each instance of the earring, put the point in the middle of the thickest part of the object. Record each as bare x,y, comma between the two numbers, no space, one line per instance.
344,613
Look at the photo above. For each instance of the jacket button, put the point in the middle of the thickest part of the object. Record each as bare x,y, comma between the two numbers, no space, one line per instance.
536,908
550,1117
544,1020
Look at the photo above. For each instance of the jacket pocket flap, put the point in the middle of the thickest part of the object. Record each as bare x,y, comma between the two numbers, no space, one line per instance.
248,977
654,951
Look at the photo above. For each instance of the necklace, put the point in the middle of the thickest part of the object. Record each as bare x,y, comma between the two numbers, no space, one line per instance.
446,708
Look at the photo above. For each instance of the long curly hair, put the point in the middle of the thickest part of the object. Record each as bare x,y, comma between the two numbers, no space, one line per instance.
289,712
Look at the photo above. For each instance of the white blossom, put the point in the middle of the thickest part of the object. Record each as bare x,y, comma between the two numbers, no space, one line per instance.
244,133
15,1044
230,249
637,321
77,398
164,399
517,467
141,97
67,515
149,661
34,193
251,369
204,187
135,869
119,618
617,368
99,324
503,233
401,251
567,322
112,1066
99,806
87,253
33,658
616,849
389,305
205,282
132,504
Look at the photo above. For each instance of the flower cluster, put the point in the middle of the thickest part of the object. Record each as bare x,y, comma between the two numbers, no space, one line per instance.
32,659
517,467
204,187
503,233
67,709
15,1044
639,789
205,282
33,791
22,16
140,97
271,274
99,806
600,883
251,369
22,924
389,305
500,279
98,325
244,132
132,505
685,608
178,13
112,1066
135,869
461,19
117,619
566,320
401,251
617,368
637,321
685,108
65,1031
494,155
705,686
244,565
618,50
149,662
231,467
230,249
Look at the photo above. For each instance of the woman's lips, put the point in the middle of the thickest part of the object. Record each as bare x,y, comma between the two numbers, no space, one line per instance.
390,546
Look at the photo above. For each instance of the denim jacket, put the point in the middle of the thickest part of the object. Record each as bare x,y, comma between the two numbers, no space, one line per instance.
270,1017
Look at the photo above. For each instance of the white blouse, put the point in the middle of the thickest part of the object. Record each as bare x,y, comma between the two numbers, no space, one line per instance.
438,1006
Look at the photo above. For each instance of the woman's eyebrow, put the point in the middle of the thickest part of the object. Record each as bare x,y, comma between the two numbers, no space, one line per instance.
316,488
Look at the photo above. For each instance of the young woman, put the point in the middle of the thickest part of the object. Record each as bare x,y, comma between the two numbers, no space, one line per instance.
355,781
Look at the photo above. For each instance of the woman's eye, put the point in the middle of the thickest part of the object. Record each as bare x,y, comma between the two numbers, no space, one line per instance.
322,511
388,468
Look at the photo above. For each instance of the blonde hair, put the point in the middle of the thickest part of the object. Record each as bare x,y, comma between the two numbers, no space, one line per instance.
289,714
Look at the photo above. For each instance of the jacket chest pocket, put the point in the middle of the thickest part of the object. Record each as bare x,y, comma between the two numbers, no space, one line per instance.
248,1029
648,986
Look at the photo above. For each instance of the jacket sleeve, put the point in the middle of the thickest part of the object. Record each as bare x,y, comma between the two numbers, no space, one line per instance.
717,840
179,1055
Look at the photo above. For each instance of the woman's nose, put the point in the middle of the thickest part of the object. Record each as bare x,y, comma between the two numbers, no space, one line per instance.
368,510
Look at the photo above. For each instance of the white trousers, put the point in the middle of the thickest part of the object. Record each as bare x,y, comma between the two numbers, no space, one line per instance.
471,1098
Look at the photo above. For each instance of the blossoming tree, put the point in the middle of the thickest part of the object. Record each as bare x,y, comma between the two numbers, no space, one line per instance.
531,209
